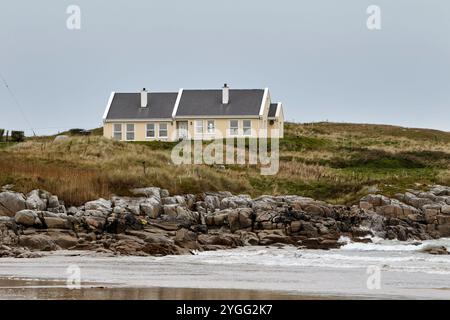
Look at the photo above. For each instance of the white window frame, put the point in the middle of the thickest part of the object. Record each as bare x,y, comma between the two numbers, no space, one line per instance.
232,133
129,131
167,130
213,128
117,132
147,130
199,125
248,127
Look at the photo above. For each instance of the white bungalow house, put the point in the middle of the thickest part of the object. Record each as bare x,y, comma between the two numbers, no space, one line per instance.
192,114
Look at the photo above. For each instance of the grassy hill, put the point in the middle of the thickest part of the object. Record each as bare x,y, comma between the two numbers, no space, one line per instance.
335,162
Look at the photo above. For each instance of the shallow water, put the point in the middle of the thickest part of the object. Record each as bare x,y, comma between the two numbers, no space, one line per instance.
405,272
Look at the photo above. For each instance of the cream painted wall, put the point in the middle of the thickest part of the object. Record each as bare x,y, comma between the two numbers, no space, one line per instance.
221,125
140,130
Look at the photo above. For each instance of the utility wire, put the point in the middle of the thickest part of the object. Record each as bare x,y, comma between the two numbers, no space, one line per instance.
16,101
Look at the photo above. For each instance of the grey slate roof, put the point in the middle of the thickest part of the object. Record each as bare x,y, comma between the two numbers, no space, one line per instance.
272,110
128,106
242,102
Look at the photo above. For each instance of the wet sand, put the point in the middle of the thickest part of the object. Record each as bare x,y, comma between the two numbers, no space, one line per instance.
24,289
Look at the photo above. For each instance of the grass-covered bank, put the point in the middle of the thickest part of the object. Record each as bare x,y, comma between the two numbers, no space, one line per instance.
327,161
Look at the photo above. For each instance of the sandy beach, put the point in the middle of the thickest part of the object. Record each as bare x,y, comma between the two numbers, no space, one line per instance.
243,273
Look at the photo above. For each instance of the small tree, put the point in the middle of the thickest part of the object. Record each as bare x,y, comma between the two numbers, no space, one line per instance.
2,132
17,136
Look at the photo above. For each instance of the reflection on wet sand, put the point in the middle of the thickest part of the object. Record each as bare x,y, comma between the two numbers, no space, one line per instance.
33,289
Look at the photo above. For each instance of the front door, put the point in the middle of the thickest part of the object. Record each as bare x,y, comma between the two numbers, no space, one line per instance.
182,127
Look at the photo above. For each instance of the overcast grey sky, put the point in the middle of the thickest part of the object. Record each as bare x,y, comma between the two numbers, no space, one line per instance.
317,57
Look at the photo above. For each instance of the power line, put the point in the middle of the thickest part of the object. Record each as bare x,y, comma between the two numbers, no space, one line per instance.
16,101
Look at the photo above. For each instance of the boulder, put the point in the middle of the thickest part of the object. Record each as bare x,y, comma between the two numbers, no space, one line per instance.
234,202
34,201
53,202
240,219
11,202
217,218
186,238
177,213
56,223
63,240
174,200
151,207
61,138
27,218
127,204
99,204
148,192
38,242
272,238
212,202
436,250
94,223
319,243
225,240
445,209
164,193
249,238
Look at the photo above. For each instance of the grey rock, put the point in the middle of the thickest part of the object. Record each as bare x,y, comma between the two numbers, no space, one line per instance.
34,201
151,207
57,223
148,192
53,202
61,138
164,193
38,242
27,218
11,202
99,204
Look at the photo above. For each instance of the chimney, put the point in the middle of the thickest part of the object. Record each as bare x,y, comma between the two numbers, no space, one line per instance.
225,94
143,98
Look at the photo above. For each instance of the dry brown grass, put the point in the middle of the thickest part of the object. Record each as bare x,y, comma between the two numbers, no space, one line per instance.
83,169
333,162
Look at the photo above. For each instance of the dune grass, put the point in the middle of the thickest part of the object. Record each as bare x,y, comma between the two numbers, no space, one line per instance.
327,161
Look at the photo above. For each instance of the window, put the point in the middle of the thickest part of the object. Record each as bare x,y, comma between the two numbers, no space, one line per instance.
210,126
199,126
117,131
130,131
247,126
163,130
150,130
234,127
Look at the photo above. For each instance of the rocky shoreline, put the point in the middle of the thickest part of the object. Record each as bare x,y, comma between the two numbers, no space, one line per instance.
154,223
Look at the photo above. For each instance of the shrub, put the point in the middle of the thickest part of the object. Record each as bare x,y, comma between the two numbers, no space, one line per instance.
79,132
2,132
17,136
